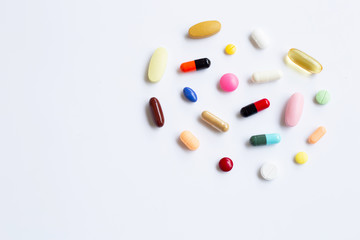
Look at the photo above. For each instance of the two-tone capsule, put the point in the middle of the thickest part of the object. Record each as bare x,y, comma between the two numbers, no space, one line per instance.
265,139
255,107
214,121
157,112
195,65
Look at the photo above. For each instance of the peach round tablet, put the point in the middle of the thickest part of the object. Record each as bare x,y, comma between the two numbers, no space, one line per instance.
189,140
294,109
229,82
316,135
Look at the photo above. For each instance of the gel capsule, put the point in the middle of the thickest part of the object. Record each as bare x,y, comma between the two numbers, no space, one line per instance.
304,61
254,107
195,65
214,121
157,112
265,139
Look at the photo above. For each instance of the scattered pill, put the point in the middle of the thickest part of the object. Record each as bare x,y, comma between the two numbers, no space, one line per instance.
254,107
157,112
230,49
229,82
214,121
266,76
190,94
304,61
189,140
269,171
204,29
195,65
260,38
301,157
157,64
265,139
294,109
322,97
316,135
226,164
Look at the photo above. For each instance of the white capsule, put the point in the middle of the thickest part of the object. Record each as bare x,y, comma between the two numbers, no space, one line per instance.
269,171
266,76
260,38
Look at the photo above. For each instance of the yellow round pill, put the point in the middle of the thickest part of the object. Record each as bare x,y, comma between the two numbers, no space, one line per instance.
230,49
301,157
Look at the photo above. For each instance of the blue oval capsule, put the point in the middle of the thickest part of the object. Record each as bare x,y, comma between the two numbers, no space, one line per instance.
190,94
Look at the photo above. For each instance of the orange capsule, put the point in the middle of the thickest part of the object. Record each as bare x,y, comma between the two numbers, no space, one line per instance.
195,65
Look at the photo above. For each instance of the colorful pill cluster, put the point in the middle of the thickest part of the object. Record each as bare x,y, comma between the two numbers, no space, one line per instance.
229,82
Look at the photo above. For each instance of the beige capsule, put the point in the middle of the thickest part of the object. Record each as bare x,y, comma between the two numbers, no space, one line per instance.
189,140
214,121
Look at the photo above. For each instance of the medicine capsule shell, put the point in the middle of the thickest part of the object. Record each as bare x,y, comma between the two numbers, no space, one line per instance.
266,76
265,139
304,61
214,121
195,65
255,107
157,112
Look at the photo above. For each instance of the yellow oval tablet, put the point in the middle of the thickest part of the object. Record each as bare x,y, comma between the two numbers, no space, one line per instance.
157,64
204,29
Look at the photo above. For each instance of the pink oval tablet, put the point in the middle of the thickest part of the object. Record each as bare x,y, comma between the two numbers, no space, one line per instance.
229,82
294,109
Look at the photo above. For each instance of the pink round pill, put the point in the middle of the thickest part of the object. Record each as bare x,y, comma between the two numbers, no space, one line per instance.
229,82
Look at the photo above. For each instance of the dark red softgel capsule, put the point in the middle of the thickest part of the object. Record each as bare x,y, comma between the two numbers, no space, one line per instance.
226,164
157,112
255,107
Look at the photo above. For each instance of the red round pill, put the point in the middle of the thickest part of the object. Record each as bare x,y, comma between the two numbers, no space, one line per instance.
226,164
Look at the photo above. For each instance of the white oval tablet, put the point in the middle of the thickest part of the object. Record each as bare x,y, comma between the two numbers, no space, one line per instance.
269,171
266,76
260,38
157,64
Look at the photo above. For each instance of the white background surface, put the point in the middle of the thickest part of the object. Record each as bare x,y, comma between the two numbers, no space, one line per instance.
80,160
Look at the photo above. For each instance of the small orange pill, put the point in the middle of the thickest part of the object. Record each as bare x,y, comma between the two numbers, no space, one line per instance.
316,135
190,141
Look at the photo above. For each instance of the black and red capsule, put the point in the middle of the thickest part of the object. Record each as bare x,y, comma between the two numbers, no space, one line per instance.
195,65
255,107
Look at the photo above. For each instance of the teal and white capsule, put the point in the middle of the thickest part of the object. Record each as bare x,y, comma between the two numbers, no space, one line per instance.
265,139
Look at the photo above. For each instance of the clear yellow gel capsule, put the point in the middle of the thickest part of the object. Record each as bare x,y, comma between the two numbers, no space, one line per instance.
304,61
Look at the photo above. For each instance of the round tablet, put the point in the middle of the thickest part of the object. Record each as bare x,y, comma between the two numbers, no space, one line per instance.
226,164
230,49
269,171
229,82
322,97
301,157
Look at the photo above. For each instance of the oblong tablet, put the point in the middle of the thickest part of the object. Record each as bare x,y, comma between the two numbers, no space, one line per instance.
157,112
266,76
304,61
316,135
204,29
190,94
294,109
260,38
157,64
189,140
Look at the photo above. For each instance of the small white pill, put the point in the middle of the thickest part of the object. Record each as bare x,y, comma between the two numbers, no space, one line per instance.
260,38
266,76
269,171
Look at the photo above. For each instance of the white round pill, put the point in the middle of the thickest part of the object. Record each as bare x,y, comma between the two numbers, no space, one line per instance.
260,38
269,171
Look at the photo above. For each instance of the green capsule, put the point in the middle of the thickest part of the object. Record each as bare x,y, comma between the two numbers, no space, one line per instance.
265,139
